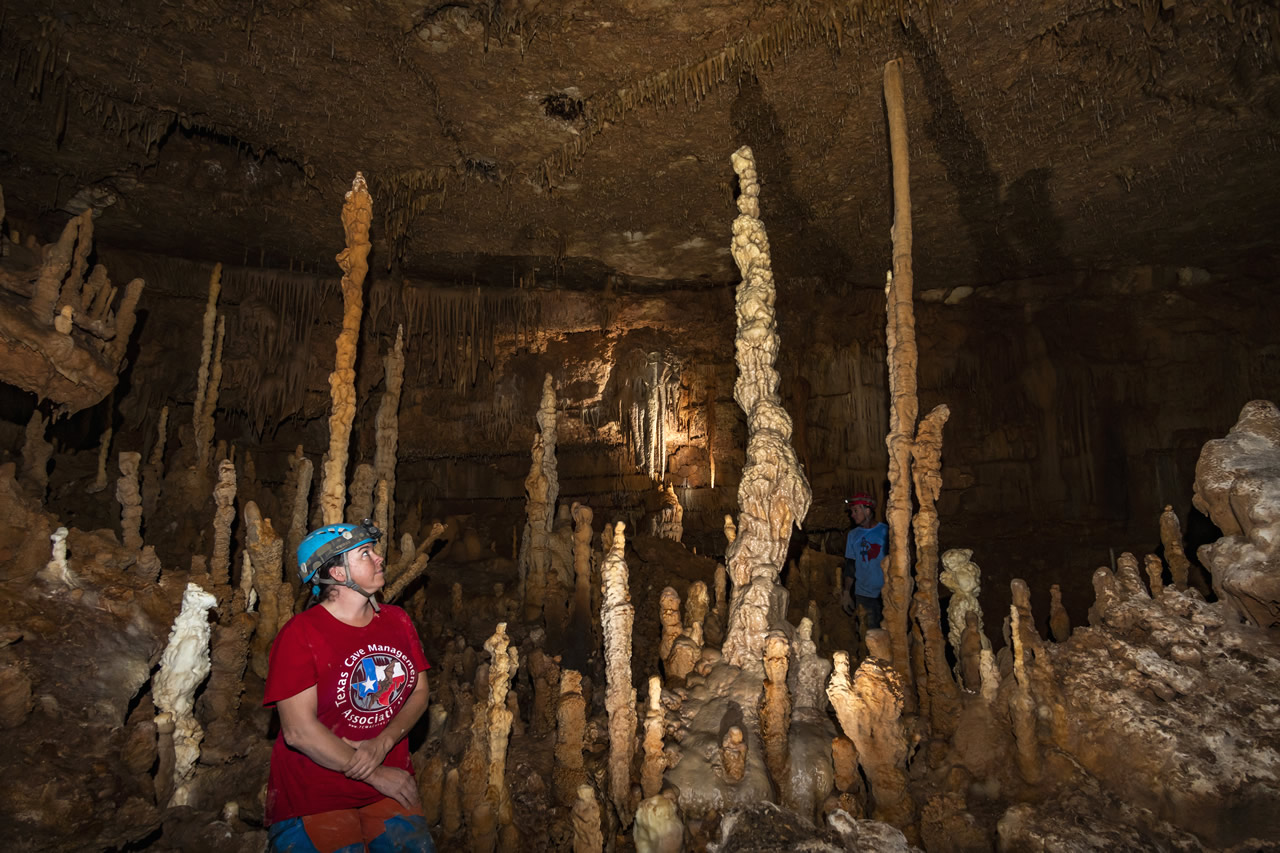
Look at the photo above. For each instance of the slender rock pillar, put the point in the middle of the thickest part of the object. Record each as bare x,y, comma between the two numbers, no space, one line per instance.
616,619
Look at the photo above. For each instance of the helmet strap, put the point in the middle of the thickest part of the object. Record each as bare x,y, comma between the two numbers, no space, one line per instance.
349,584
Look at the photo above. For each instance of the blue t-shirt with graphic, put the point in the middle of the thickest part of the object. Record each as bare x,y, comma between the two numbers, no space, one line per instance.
865,549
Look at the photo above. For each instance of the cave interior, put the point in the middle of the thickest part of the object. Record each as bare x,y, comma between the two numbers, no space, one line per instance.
520,226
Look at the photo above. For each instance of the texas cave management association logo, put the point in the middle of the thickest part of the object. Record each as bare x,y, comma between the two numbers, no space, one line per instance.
375,681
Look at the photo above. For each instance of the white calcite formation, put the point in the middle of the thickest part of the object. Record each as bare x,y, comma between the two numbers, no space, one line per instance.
1238,486
773,493
183,666
962,576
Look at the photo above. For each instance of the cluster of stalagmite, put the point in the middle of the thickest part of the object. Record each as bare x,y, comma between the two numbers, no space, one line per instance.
541,489
68,344
773,494
669,522
357,213
616,620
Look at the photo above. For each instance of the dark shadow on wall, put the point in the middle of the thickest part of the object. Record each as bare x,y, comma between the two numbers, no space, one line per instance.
1014,234
801,247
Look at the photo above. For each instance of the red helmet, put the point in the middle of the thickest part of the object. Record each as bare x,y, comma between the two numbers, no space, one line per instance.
862,499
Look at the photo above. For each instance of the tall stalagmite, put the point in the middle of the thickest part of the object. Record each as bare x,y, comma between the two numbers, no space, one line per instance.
224,498
388,432
903,358
203,430
357,213
616,618
773,493
541,489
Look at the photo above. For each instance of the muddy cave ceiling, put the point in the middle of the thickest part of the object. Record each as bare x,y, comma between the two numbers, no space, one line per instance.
582,142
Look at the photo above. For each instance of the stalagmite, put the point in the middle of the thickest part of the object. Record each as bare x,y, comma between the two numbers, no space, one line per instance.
775,706
902,355
587,837
773,494
1022,708
387,424
381,513
926,472
124,322
870,713
669,523
541,489
696,604
203,431
36,453
451,804
580,618
669,618
423,556
654,763
1155,574
1059,621
275,595
57,570
224,498
571,725
104,453
153,471
1174,555
130,500
733,755
183,666
57,261
658,826
544,672
616,618
357,213
360,493
503,662
301,466
969,657
961,575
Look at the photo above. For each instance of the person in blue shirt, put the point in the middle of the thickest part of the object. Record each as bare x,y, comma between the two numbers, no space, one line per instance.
863,577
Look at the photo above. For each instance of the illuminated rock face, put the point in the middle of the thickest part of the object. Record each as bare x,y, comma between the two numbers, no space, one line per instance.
1238,486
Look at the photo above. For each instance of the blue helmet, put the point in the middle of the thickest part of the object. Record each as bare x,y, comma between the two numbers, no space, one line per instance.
324,543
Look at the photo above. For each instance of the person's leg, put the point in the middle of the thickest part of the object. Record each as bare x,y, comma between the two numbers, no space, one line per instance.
874,608
389,828
327,832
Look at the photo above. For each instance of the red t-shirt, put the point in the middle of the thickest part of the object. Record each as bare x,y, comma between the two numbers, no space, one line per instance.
363,676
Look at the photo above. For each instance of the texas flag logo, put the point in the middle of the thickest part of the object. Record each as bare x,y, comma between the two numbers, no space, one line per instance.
376,682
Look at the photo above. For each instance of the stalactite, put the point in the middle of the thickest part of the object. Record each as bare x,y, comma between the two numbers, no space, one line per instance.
224,498
130,500
357,213
926,472
388,431
616,620
773,493
903,357
203,432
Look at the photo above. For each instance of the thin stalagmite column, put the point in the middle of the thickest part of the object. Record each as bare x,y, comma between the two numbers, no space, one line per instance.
302,469
203,435
1155,574
541,489
773,494
357,213
587,836
1059,620
616,618
903,358
124,321
926,471
35,454
57,261
1022,706
775,709
153,471
360,493
130,500
104,453
669,618
387,423
504,660
571,725
275,594
224,498
580,619
654,763
1171,538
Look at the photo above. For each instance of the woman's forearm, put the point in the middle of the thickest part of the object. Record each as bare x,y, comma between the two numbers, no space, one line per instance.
409,714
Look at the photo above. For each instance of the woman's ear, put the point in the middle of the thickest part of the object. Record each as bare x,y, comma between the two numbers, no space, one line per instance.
340,566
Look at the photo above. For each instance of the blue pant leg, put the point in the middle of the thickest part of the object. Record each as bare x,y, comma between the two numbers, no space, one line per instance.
404,834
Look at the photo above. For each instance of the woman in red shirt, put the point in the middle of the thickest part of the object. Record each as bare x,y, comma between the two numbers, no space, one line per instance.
348,679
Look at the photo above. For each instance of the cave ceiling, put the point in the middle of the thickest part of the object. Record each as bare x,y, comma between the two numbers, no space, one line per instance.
580,143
